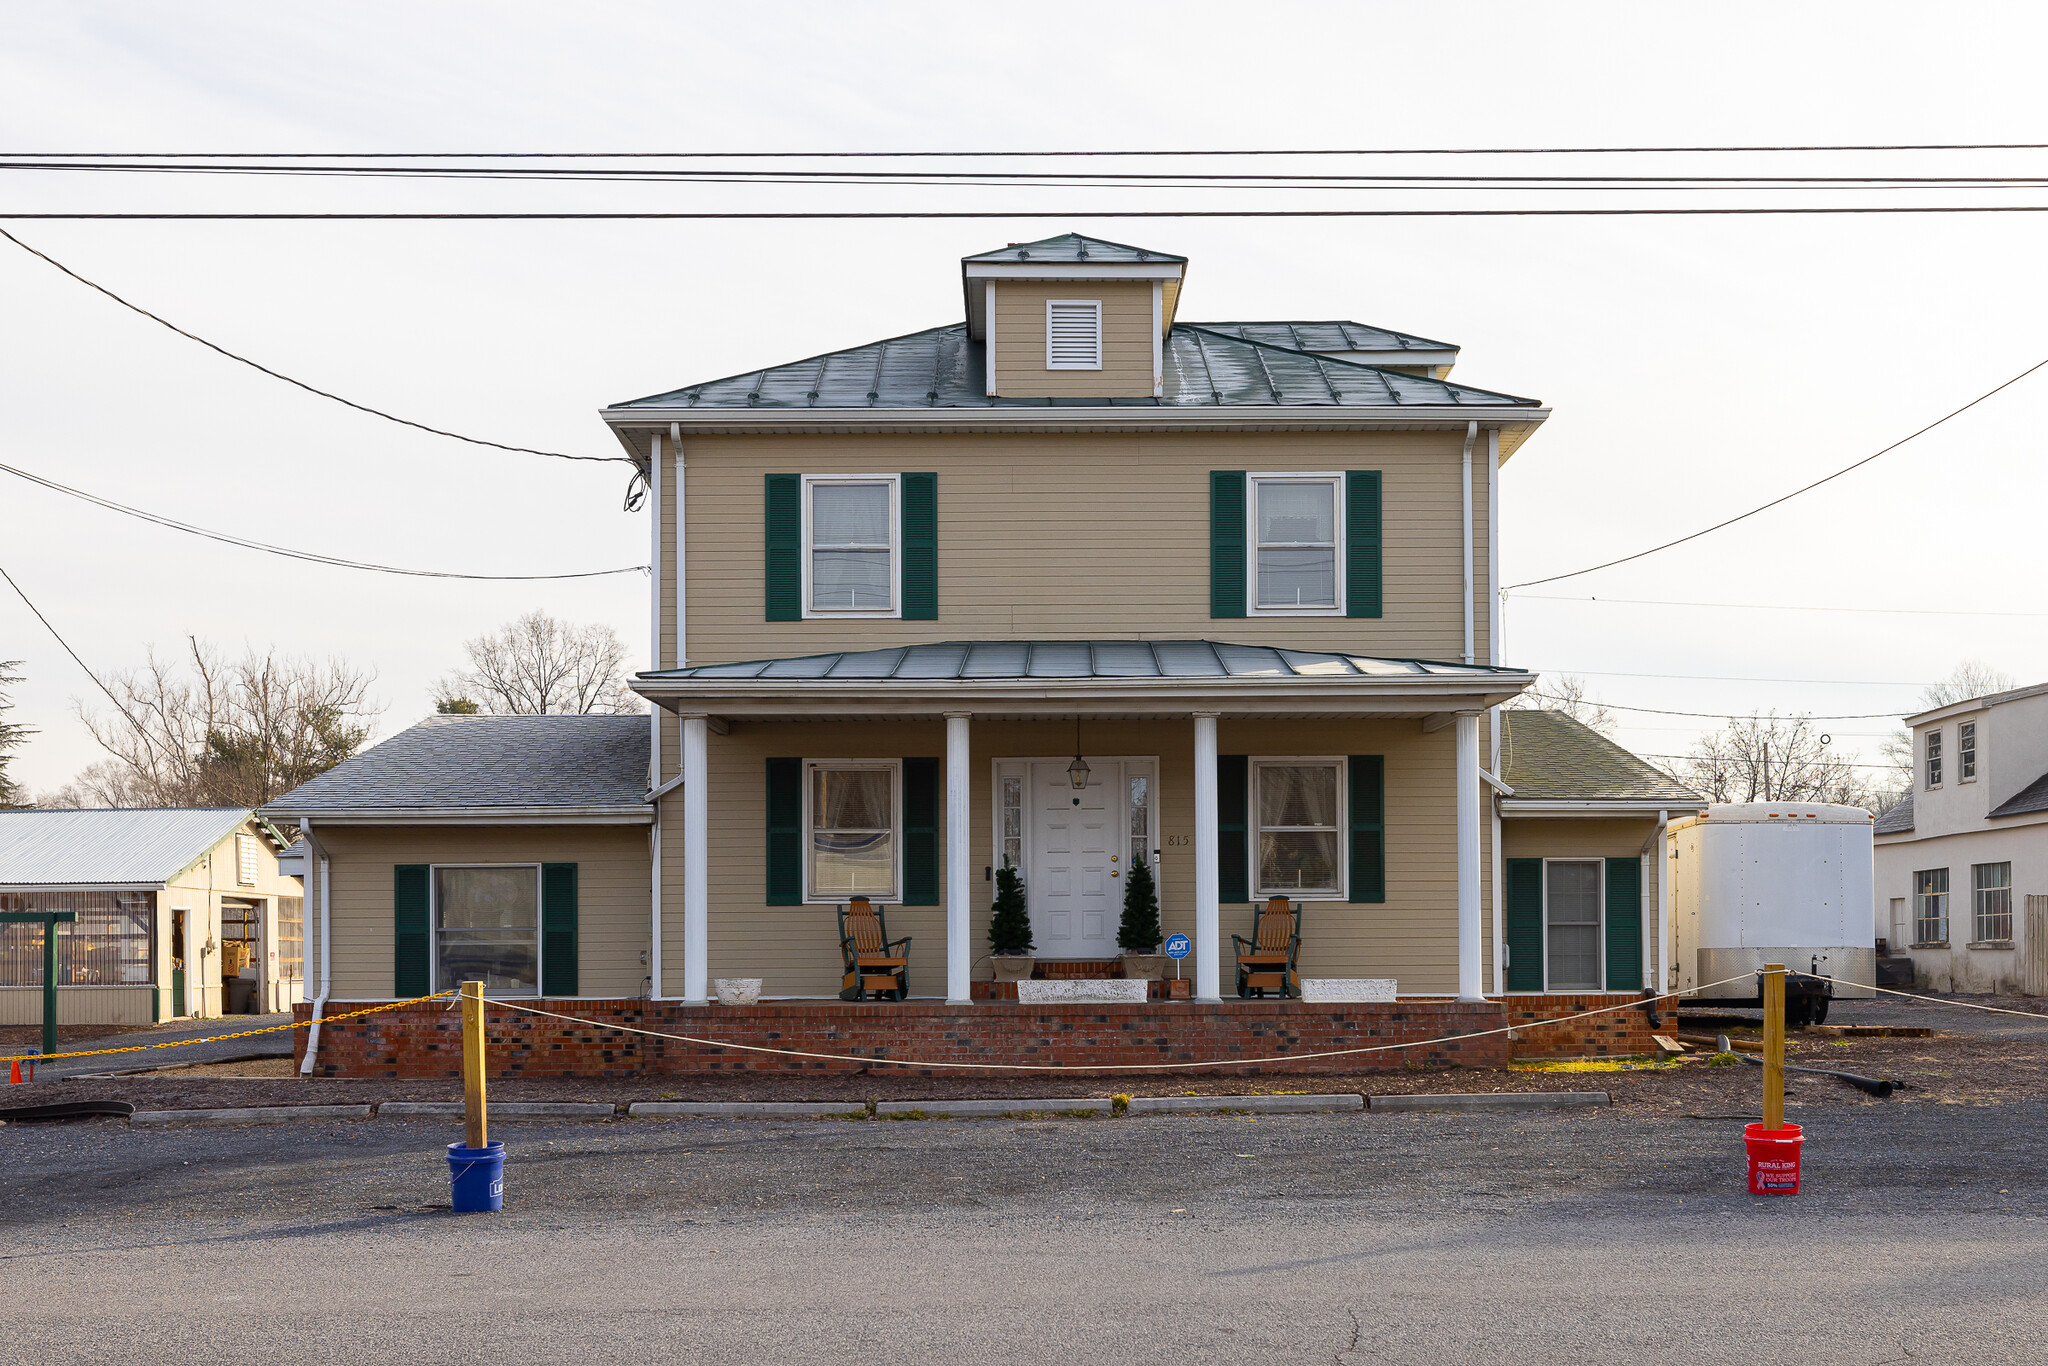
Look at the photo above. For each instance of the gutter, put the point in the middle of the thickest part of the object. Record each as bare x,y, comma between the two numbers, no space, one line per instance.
637,813
1545,806
1142,416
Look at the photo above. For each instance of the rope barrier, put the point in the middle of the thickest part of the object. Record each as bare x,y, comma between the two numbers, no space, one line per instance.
219,1038
1115,1067
1930,1000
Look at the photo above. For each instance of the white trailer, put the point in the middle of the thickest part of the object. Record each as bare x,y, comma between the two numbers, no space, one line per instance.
1773,882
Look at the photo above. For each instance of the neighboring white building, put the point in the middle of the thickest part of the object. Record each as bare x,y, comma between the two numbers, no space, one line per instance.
1962,862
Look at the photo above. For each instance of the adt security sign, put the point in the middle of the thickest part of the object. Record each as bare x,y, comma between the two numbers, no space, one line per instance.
1178,946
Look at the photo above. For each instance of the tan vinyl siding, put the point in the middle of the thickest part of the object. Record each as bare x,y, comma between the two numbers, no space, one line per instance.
794,949
1126,340
1065,536
612,894
1601,838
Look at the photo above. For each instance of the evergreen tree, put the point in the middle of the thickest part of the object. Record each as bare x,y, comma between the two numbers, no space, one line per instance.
1009,929
12,736
1139,932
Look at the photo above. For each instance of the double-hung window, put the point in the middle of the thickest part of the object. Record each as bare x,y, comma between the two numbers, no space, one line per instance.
1991,901
1933,752
1930,906
1571,924
1966,752
1298,804
487,928
852,545
1297,543
853,812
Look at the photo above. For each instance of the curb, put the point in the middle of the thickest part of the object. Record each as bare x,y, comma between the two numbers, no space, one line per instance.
517,1109
1488,1100
1262,1105
260,1114
966,1109
741,1109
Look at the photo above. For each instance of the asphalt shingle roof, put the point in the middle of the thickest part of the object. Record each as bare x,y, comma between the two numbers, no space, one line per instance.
2032,797
941,368
453,762
1071,248
1898,820
1007,659
1327,336
1548,756
55,848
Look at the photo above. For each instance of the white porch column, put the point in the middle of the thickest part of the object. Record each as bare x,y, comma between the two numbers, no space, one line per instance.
1208,965
1471,980
959,953
696,856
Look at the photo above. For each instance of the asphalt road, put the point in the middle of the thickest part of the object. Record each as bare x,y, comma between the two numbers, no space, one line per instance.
1351,1239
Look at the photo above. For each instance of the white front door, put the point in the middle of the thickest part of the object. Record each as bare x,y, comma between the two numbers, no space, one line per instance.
1078,851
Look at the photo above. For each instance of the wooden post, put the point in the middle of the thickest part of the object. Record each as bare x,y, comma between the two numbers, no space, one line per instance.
475,1132
1774,1045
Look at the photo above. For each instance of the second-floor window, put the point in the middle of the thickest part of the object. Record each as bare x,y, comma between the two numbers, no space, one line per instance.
851,542
1966,752
1296,545
1934,758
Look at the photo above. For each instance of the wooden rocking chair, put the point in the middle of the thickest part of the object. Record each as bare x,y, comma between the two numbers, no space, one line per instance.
1266,961
874,962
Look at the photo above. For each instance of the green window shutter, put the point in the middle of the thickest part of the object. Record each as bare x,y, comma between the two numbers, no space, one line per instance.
1525,924
920,494
920,832
1362,543
409,931
1368,828
1226,543
558,955
1233,855
785,832
785,530
1624,924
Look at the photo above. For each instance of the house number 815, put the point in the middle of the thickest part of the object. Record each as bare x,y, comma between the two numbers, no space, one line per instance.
1176,841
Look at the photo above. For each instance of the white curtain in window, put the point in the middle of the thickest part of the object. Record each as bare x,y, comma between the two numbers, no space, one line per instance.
1297,544
1298,838
850,547
1297,513
853,846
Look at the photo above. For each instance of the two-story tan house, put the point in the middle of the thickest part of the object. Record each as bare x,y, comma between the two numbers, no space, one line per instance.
1068,583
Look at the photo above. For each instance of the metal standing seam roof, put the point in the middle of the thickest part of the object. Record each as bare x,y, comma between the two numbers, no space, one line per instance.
1005,660
1326,336
1548,756
1071,248
452,762
54,848
1202,368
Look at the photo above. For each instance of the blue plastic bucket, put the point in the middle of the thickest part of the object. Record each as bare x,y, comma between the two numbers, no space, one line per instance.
478,1177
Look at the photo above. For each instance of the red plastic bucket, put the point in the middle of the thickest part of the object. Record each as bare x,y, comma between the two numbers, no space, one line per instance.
1773,1159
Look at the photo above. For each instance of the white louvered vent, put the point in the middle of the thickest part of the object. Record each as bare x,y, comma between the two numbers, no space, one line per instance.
1073,334
245,860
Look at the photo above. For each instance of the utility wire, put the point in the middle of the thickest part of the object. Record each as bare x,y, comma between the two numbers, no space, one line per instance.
980,215
126,715
1161,152
1779,606
1737,678
307,555
1625,559
1722,715
301,384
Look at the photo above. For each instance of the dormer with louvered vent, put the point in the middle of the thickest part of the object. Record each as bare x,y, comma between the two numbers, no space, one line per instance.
1072,317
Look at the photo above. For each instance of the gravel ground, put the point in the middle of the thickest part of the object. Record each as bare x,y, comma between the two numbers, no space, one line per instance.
1533,1238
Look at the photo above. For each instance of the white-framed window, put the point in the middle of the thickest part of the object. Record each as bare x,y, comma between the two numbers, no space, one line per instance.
1930,906
246,865
1298,846
853,543
1571,924
1296,548
1933,755
1966,752
1991,901
487,927
853,818
1073,334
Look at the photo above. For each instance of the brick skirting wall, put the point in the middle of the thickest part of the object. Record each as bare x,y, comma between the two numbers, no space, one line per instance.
424,1041
1616,1034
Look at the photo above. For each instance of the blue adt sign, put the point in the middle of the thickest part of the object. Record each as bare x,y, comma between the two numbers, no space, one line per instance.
1178,946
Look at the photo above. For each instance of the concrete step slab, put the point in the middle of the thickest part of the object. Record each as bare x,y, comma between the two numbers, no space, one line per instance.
743,1109
256,1114
1259,1105
963,1109
1489,1100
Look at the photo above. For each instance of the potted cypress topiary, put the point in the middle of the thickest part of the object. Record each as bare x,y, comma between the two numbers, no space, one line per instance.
1139,934
1009,929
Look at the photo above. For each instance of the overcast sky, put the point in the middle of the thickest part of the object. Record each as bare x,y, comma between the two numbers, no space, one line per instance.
1696,366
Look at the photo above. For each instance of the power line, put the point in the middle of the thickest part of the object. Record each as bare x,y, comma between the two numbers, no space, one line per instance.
1097,152
1625,559
1722,715
1780,607
1711,759
126,715
985,215
1736,678
306,555
301,384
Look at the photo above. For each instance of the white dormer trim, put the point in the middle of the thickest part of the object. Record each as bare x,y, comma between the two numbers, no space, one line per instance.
1054,270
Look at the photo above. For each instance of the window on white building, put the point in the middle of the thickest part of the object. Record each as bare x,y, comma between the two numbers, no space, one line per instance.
1934,758
1991,902
1930,906
1966,752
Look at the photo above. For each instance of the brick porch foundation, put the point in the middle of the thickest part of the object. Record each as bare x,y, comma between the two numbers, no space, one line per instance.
424,1041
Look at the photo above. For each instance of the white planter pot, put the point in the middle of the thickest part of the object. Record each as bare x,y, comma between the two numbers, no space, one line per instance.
1013,967
737,991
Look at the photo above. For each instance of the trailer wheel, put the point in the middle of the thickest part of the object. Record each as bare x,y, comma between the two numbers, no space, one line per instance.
1819,1010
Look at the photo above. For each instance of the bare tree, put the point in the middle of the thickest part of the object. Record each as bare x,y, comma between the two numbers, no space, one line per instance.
13,735
1971,678
207,731
1568,693
538,666
106,783
1768,758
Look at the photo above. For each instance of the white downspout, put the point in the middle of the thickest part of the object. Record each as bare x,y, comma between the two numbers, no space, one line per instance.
1471,435
654,623
1493,656
319,871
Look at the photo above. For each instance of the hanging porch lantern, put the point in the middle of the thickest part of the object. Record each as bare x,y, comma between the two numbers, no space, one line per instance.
1077,772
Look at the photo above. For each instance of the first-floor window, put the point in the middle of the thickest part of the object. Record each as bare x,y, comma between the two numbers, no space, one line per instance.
1300,814
1930,906
487,928
1991,893
291,937
852,822
112,943
1571,922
